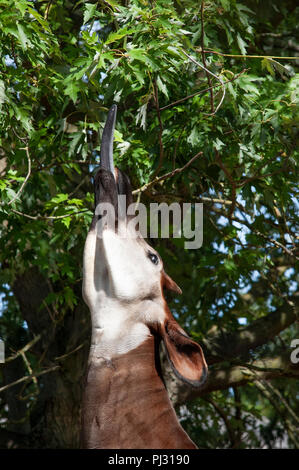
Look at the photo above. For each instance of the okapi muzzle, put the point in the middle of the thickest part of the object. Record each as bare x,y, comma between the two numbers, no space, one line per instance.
123,284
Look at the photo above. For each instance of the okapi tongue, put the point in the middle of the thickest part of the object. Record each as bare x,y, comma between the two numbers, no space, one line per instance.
107,141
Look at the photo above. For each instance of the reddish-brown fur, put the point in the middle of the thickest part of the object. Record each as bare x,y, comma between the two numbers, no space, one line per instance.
127,406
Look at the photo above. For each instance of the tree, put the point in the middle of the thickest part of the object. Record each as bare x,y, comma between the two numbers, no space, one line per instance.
215,80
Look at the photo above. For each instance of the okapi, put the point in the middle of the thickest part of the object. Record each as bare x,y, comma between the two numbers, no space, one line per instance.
125,402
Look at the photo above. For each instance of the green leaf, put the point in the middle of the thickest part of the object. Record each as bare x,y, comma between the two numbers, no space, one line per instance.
218,144
118,35
193,137
138,54
174,51
266,64
118,136
226,4
184,31
76,202
2,92
69,296
76,137
281,69
246,83
242,44
23,116
72,90
90,9
66,221
39,18
112,3
59,198
141,116
162,86
22,5
22,36
232,90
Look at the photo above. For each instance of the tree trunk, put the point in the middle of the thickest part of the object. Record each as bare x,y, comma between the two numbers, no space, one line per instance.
54,420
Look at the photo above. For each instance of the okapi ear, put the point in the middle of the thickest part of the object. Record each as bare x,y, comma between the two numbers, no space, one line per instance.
124,188
105,188
184,354
124,185
105,192
169,283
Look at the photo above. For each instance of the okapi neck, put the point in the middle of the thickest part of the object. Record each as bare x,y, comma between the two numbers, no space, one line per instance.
127,406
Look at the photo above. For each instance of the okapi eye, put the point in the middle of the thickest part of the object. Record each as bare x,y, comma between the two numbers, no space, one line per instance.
154,258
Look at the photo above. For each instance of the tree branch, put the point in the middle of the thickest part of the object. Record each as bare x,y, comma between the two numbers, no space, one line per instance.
24,349
27,378
156,100
45,217
253,230
222,345
222,377
203,91
204,57
232,183
211,73
263,387
241,56
225,419
167,175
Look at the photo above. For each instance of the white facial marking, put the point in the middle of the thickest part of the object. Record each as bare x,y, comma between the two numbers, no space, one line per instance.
122,288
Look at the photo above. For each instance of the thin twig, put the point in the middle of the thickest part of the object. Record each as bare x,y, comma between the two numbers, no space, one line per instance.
44,217
251,56
86,177
29,377
290,428
24,349
232,183
167,175
233,239
177,145
60,358
48,10
40,167
203,91
33,376
226,202
257,174
256,232
49,311
29,368
224,416
156,100
276,392
276,243
238,416
204,59
211,73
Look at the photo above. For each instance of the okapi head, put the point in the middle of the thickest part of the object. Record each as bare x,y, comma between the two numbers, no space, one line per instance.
124,279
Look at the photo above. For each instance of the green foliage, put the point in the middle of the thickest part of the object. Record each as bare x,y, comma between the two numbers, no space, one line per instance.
62,65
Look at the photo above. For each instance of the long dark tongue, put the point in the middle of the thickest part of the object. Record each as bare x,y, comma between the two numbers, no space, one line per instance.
107,141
